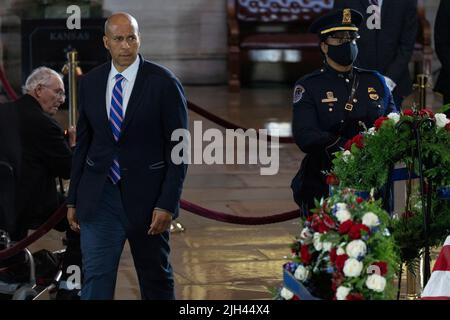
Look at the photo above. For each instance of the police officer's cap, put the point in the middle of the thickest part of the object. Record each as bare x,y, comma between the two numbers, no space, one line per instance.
336,20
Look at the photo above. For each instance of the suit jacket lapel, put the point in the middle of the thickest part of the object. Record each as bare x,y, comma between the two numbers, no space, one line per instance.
101,99
137,92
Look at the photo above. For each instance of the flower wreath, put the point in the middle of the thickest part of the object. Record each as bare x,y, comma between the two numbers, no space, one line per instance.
344,251
368,158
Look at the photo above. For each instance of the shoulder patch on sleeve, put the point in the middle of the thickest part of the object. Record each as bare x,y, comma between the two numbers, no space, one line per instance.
298,93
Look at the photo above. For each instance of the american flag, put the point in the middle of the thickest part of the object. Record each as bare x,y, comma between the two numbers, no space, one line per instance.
438,287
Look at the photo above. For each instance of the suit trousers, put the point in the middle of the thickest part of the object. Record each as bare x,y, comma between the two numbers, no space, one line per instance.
102,239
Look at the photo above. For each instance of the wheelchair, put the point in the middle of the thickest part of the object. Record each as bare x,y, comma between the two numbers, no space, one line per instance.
23,276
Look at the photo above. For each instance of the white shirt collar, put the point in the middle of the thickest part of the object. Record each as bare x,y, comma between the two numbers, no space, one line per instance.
129,73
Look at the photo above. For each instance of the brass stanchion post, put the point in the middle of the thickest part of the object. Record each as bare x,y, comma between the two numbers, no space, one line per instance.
72,57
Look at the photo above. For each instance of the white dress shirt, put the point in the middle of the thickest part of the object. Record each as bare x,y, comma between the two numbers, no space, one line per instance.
127,84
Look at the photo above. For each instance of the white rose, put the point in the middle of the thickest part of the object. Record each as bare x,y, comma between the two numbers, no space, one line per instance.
372,131
356,249
394,116
301,273
370,219
326,246
306,236
441,120
346,155
352,268
343,215
286,294
340,206
340,251
376,283
342,292
316,242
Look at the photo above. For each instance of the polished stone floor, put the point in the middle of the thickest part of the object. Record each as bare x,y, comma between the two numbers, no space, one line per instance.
216,260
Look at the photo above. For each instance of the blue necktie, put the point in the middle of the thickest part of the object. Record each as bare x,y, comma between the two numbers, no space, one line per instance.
115,120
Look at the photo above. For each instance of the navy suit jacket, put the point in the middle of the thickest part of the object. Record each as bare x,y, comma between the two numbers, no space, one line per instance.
442,44
149,178
389,49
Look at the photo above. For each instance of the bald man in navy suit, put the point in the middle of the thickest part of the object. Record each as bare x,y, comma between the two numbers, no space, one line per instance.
124,184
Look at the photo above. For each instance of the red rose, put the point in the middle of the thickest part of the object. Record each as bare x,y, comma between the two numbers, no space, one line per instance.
379,122
305,255
359,200
337,280
332,180
355,231
348,145
345,227
447,127
295,298
340,262
382,267
426,112
358,140
333,255
408,112
355,296
318,225
315,221
328,221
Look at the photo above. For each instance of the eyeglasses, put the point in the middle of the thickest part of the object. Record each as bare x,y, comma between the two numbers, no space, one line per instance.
59,92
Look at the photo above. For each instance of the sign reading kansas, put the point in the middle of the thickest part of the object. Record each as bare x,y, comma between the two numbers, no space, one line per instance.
47,41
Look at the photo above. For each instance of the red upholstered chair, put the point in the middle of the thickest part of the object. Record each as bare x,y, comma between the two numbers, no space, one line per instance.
271,24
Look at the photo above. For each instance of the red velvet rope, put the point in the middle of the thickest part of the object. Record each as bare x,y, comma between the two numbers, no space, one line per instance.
225,217
227,124
37,234
8,88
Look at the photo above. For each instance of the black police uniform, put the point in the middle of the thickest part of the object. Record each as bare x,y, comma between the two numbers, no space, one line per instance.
327,111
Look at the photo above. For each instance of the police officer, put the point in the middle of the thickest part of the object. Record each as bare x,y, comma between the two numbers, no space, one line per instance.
333,104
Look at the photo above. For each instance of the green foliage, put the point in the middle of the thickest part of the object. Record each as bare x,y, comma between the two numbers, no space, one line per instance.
395,143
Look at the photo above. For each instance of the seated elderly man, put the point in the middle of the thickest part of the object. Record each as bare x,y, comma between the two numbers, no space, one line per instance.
45,155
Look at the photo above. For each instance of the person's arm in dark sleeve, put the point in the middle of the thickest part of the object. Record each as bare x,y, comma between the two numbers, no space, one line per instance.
83,141
174,116
442,35
306,130
55,150
405,48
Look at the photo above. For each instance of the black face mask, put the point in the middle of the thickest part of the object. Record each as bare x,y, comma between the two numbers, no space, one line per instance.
344,54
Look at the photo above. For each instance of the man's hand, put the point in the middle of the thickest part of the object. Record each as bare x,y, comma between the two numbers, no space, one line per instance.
161,221
73,221
72,133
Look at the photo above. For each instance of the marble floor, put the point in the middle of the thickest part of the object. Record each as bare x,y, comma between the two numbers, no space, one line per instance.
216,260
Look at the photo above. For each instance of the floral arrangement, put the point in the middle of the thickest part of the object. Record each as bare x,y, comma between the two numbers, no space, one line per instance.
345,251
369,157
